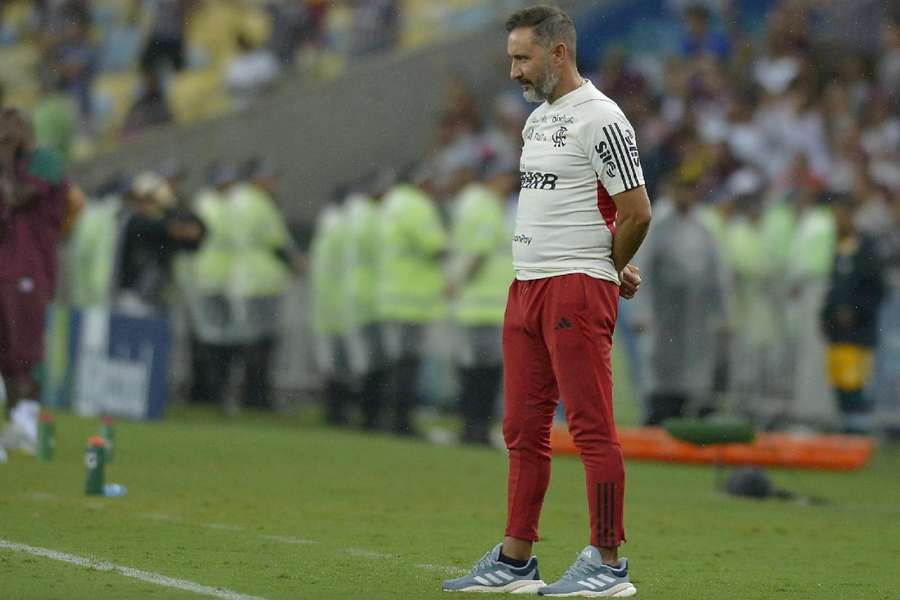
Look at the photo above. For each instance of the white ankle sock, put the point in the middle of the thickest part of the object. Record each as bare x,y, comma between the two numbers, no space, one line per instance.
25,414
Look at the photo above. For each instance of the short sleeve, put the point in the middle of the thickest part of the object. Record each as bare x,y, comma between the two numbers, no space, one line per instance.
613,152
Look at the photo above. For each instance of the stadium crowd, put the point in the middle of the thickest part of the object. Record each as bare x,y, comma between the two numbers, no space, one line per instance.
771,272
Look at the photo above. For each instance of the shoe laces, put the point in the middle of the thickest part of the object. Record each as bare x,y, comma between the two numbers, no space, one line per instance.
579,568
483,563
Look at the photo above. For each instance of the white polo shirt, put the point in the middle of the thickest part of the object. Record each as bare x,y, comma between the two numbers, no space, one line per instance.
578,152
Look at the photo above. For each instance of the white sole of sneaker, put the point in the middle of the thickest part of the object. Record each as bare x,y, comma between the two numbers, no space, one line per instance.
623,590
516,587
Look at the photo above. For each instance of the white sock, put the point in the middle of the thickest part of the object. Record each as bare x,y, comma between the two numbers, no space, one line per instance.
25,414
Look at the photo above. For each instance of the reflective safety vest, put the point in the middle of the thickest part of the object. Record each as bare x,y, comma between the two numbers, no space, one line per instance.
411,281
327,275
92,250
480,231
361,260
213,263
258,232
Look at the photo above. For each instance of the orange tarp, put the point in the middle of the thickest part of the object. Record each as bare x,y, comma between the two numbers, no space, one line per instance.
793,450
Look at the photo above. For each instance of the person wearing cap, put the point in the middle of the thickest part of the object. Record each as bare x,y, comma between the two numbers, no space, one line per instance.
265,260
481,275
410,287
684,291
151,233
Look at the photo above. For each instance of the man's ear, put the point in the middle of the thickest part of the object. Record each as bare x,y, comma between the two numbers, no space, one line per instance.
559,52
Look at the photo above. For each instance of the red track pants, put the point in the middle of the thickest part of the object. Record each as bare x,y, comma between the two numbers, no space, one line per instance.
557,341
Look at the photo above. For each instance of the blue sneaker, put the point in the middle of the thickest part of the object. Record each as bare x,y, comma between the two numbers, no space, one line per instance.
589,577
491,575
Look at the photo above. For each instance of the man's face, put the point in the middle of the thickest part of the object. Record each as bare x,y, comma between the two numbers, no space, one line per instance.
531,65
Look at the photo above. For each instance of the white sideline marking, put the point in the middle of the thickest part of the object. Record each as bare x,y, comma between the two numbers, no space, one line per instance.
285,539
147,576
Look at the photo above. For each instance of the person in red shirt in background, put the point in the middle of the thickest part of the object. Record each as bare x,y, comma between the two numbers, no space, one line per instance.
37,204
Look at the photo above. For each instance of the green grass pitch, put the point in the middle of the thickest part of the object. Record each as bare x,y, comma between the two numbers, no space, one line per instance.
280,508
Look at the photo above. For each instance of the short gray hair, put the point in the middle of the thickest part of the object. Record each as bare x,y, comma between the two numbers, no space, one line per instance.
548,24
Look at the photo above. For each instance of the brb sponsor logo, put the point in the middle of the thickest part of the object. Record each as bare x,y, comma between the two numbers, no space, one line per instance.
535,180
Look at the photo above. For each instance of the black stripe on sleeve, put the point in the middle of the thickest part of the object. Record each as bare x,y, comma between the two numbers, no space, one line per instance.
637,179
626,158
612,149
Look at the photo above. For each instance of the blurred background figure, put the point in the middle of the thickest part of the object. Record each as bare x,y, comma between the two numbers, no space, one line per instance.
328,282
411,288
850,318
365,335
265,262
480,279
166,44
37,206
150,108
151,231
205,280
886,384
251,72
683,300
758,352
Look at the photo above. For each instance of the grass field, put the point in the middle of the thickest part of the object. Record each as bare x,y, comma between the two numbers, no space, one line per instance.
280,508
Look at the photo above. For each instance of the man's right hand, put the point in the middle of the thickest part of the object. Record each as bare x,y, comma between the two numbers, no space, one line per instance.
630,279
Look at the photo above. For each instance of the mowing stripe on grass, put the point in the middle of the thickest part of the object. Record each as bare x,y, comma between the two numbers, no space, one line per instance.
147,576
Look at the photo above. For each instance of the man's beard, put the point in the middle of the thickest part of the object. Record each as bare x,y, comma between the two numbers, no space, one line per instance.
543,87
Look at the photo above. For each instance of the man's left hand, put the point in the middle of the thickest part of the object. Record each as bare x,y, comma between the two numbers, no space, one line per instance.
630,278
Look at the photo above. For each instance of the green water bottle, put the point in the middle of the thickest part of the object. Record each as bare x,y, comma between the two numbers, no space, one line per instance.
95,463
108,433
46,436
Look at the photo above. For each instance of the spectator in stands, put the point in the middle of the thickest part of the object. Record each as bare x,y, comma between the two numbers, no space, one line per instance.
375,27
290,28
699,38
166,43
123,39
889,63
150,109
251,72
850,316
77,60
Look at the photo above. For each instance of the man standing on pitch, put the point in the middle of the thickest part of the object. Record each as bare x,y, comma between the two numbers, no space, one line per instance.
583,212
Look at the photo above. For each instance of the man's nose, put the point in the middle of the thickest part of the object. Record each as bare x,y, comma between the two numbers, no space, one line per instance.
514,71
